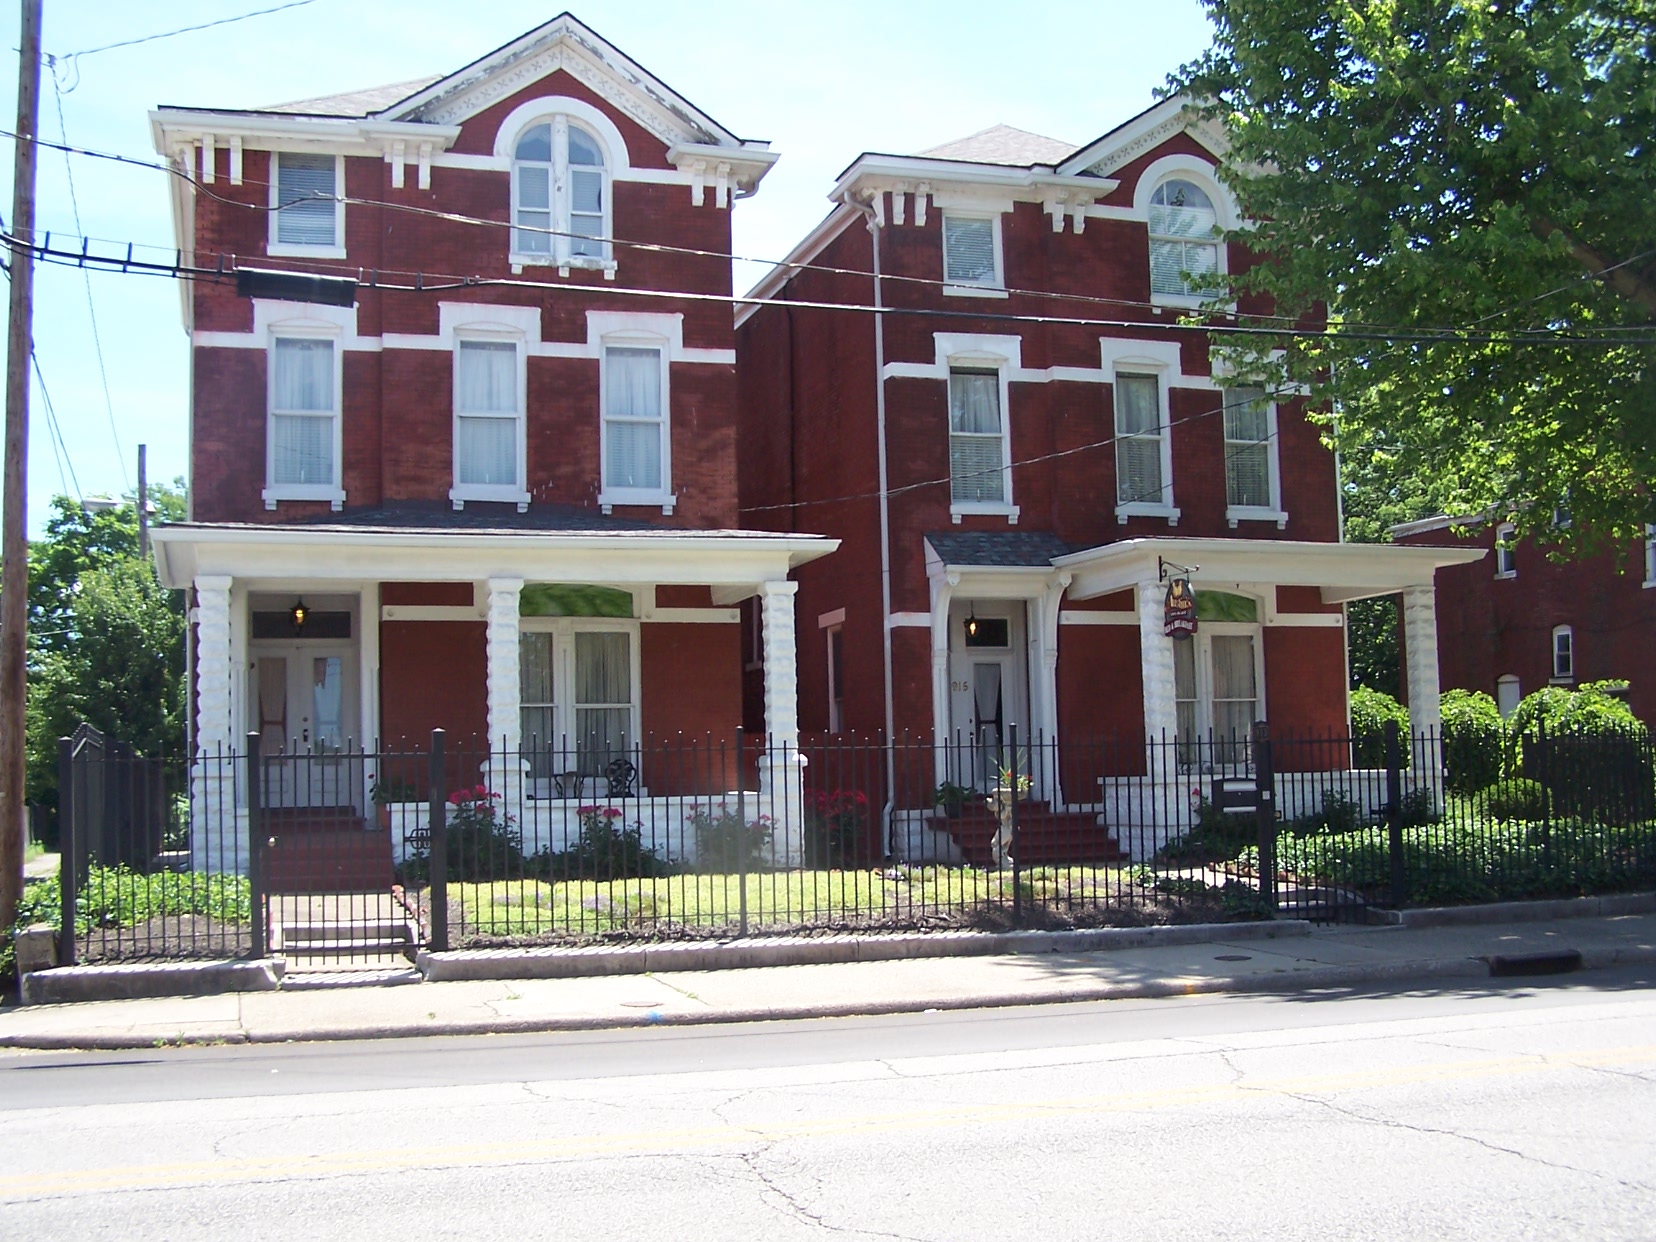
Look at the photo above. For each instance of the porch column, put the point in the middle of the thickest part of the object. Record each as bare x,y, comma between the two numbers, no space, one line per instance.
504,771
1044,669
218,834
942,597
1161,709
1420,651
782,768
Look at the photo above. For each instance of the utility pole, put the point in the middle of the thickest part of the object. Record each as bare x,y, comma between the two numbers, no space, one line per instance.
14,538
143,503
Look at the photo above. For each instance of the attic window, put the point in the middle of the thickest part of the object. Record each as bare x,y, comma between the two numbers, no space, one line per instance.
971,250
560,195
1184,230
309,213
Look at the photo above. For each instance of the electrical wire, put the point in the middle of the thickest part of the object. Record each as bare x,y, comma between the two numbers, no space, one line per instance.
182,30
86,276
53,428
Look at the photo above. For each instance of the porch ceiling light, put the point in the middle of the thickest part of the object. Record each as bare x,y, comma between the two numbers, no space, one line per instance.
971,621
299,614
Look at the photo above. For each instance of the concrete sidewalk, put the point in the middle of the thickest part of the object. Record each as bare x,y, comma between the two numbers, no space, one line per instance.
1240,958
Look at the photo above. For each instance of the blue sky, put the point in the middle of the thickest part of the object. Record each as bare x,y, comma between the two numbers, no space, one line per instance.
822,82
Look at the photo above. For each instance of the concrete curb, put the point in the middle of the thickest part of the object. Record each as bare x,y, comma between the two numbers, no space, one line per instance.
131,981
1525,911
565,963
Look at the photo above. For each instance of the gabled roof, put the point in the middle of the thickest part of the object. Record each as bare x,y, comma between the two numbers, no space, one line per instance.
1002,144
1003,549
1115,149
361,103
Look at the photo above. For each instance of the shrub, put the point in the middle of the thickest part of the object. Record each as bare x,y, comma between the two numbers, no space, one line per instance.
1515,799
725,844
1215,837
1338,814
606,849
1591,709
836,826
1474,737
1370,710
483,842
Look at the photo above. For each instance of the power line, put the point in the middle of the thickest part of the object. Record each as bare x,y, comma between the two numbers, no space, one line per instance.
55,428
86,276
168,34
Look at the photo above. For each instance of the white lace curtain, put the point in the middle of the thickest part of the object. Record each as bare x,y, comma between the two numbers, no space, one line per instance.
487,404
632,418
302,412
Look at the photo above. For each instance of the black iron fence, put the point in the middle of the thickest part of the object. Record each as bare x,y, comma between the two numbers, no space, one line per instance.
367,856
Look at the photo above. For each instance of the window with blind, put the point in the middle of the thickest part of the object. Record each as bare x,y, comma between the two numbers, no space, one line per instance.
1184,244
1139,435
307,208
1248,449
488,415
977,438
303,414
635,422
560,194
969,256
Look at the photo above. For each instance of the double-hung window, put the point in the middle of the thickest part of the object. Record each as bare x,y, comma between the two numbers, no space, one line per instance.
309,215
488,422
303,433
1563,653
1506,551
1650,556
1141,448
1251,484
560,195
577,698
977,438
603,698
971,252
636,443
1216,693
1184,241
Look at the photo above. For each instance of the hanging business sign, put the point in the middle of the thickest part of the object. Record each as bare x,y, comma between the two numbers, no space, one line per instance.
1179,613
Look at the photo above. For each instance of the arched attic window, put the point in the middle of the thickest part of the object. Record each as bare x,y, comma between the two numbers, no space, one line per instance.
560,194
1184,237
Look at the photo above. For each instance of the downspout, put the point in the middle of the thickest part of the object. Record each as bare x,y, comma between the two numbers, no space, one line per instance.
887,812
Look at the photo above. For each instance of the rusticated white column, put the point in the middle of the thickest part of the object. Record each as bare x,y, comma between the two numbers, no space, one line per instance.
217,836
1161,708
781,770
504,773
1421,653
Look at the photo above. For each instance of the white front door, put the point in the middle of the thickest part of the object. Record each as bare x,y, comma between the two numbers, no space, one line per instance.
988,691
304,699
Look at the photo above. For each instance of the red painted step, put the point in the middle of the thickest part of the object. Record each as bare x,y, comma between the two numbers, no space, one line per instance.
325,850
1045,837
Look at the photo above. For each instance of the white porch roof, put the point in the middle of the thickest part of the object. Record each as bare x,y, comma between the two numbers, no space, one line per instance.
1344,571
734,563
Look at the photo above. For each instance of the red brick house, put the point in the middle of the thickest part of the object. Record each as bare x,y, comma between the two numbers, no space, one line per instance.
492,489
1517,620
1015,439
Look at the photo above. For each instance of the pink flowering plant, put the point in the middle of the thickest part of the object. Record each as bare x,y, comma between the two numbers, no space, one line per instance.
484,842
726,844
607,848
836,826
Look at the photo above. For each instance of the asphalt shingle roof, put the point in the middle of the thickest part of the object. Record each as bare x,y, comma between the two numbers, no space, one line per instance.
1003,144
1000,548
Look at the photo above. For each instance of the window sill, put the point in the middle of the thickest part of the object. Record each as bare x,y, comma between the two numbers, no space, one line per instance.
1649,583
288,250
1187,301
333,495
1250,513
607,501
1513,573
1138,509
974,291
458,496
960,509
582,263
1561,681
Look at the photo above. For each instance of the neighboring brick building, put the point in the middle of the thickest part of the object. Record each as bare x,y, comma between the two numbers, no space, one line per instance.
982,465
1518,620
500,485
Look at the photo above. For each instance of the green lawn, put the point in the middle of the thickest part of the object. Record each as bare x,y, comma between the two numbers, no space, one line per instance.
528,907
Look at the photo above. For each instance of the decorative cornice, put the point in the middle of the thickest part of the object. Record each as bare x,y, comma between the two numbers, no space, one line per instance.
1128,152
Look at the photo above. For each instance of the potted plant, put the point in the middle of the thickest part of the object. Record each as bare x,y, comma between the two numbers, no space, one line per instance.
382,793
951,798
1009,789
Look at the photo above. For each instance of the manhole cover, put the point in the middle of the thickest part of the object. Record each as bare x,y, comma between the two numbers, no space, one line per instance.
1234,957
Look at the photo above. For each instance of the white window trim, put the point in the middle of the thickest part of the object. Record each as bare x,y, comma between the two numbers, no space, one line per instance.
1508,679
835,724
663,496
558,114
563,631
1200,173
1133,364
1272,512
1002,355
995,288
1503,534
1650,556
512,493
1203,640
333,493
279,249
1563,631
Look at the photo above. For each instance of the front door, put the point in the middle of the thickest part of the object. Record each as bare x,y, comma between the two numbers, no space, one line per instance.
988,691
304,707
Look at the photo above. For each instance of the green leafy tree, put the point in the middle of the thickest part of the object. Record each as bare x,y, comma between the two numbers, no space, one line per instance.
1462,186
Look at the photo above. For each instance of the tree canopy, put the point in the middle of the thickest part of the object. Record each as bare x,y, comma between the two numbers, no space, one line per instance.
1468,190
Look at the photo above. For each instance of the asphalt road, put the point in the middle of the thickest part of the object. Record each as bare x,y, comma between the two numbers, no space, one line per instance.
1491,1112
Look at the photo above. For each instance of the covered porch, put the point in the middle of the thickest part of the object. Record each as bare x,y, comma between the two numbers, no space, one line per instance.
554,655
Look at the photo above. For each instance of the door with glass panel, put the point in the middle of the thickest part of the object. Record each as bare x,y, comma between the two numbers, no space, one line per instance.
987,692
303,701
